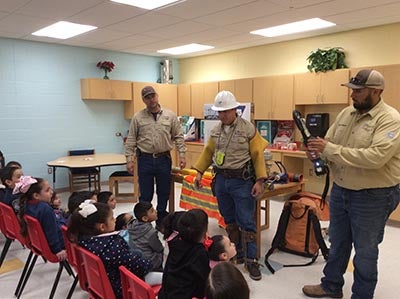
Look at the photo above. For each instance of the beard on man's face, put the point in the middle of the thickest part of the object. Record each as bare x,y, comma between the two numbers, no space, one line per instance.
364,105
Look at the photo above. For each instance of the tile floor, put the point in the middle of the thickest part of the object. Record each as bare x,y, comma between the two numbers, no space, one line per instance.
285,284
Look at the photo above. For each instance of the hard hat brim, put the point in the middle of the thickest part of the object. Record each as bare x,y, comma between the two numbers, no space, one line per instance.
215,108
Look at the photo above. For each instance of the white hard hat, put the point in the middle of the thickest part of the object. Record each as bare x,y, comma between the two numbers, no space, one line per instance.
224,100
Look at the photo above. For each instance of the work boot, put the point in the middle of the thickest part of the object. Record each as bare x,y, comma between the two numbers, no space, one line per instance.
253,267
316,291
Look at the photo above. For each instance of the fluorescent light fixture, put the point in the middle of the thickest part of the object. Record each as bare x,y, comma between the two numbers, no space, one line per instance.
185,49
63,30
146,4
295,27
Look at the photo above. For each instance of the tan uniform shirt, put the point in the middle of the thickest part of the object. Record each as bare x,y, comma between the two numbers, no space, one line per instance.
239,142
364,149
155,136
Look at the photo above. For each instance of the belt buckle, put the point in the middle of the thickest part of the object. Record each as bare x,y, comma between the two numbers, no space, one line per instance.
155,156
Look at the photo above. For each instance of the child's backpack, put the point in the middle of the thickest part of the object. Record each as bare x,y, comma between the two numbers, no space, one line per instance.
299,230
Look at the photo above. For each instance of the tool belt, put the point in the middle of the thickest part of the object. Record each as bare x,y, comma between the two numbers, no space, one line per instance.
245,173
154,155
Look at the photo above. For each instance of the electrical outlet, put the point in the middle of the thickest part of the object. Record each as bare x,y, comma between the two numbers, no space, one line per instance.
311,172
49,170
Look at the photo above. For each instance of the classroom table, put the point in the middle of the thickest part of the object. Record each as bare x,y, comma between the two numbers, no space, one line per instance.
84,161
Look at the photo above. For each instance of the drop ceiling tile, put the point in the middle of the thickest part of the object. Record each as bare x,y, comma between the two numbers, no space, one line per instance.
12,5
23,25
145,22
129,42
179,29
58,9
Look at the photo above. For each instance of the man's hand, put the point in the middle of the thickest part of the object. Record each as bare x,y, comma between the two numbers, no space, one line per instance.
197,181
316,145
130,166
182,162
258,188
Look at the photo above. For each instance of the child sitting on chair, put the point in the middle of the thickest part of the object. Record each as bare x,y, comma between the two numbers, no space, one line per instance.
92,225
220,249
10,175
187,266
108,198
61,215
143,236
34,201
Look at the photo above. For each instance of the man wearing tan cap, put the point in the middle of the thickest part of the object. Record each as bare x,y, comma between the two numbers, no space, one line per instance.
363,151
152,134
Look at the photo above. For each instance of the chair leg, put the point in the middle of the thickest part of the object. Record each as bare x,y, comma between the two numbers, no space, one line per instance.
25,275
55,284
73,286
5,250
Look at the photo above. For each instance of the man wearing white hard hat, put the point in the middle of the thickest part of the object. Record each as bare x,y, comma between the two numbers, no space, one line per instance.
363,151
235,149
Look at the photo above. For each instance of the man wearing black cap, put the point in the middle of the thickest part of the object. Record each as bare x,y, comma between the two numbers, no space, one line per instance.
363,151
151,137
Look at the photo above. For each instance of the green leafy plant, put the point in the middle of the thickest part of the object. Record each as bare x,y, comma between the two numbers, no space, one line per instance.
323,60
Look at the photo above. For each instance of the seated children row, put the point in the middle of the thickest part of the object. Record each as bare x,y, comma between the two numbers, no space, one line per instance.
93,226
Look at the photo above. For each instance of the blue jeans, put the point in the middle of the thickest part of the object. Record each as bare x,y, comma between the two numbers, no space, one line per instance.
357,218
237,205
150,168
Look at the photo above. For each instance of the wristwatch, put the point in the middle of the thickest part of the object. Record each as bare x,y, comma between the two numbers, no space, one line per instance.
129,158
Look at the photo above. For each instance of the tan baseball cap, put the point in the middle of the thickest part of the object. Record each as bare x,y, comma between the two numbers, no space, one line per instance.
147,90
366,79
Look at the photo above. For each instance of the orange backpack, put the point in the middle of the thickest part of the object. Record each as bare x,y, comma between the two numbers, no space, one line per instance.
299,230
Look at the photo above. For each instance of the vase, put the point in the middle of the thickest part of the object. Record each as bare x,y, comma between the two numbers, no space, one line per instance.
105,75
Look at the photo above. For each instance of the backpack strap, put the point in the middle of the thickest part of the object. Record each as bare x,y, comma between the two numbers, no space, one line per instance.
279,235
318,236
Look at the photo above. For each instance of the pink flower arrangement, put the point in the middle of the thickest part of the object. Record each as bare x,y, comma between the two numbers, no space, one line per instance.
106,65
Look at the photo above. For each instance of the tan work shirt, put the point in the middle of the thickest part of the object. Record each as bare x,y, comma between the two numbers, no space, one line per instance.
364,149
155,136
239,142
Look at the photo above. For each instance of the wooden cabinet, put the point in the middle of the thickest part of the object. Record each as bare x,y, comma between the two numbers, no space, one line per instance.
100,89
241,88
321,88
167,94
200,94
273,97
184,100
193,151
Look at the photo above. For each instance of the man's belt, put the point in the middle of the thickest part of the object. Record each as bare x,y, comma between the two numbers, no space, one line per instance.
229,173
155,155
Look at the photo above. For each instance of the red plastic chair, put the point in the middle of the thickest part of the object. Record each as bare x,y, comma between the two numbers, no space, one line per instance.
8,240
99,286
40,247
73,260
135,288
11,229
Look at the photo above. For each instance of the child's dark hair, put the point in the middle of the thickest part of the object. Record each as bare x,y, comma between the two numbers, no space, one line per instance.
24,198
104,196
7,174
80,226
141,208
193,225
170,223
225,281
14,164
2,160
78,197
53,198
217,247
120,221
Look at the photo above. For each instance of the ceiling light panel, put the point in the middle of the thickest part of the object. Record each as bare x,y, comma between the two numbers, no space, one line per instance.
63,30
146,4
185,49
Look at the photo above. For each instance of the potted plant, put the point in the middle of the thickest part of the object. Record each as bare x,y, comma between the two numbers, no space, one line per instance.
107,66
323,60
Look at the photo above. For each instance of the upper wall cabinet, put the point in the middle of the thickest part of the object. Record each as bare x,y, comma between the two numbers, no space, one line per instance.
100,89
184,101
321,88
200,94
241,88
273,97
167,96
